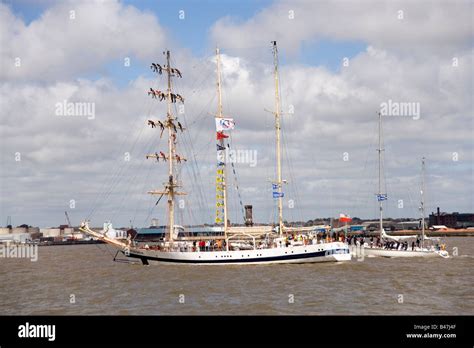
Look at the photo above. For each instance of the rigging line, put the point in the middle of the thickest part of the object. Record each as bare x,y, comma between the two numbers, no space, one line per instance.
118,175
285,149
236,182
112,175
113,181
356,204
194,168
153,142
152,205
412,204
199,61
105,249
192,171
112,172
203,113
293,181
191,88
132,179
289,161
143,189
150,211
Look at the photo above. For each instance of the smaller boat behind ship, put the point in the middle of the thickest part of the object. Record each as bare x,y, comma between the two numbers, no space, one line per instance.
398,246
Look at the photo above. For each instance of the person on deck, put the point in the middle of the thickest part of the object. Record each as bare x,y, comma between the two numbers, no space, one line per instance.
412,246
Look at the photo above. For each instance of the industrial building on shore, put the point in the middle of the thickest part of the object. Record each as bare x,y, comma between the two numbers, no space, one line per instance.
19,234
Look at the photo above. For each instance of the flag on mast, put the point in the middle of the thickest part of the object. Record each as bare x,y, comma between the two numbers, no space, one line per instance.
220,135
223,124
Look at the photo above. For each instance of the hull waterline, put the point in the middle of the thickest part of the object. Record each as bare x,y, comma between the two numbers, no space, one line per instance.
330,252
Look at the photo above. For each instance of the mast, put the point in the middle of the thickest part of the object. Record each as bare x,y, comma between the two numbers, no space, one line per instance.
171,151
422,202
278,145
379,196
169,123
221,168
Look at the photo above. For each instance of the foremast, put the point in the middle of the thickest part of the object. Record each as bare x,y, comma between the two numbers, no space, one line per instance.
173,125
277,185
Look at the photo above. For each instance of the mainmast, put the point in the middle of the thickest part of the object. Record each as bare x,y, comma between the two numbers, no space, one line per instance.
422,207
169,123
278,183
380,195
221,166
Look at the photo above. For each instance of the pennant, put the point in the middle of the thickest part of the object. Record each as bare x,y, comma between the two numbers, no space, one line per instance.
218,220
220,135
218,188
275,186
220,164
382,197
220,148
278,194
220,171
223,124
219,179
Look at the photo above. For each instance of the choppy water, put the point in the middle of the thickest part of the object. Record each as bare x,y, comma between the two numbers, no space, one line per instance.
100,286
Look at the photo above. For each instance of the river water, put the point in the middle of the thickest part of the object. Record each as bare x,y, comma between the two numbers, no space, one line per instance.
83,280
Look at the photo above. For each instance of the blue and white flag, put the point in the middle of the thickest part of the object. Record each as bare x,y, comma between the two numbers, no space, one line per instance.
275,186
382,197
278,194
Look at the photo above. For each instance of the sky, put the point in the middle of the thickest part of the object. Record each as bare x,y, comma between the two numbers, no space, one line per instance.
340,63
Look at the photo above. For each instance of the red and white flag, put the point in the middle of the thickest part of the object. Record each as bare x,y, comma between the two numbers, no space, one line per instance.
344,218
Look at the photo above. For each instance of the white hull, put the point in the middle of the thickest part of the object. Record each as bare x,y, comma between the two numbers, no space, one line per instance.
328,252
380,252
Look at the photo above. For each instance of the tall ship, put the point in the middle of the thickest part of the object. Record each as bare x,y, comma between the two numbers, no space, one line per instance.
236,244
398,246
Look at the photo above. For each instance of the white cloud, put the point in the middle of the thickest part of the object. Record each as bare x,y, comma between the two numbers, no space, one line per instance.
56,46
436,26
